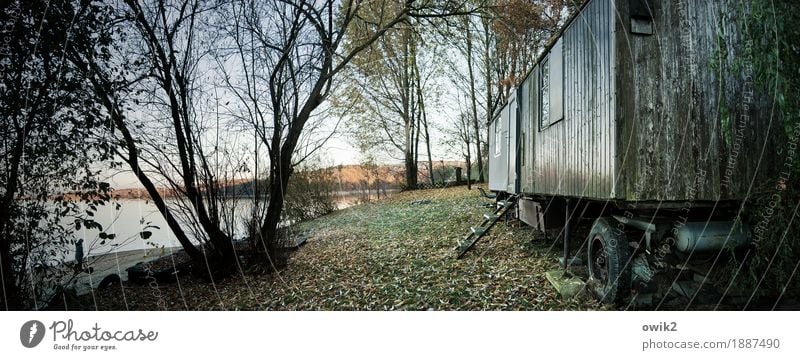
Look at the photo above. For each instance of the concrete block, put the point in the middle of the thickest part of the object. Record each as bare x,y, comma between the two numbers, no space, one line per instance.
567,285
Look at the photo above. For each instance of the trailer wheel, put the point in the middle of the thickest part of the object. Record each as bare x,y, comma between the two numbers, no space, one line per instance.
609,276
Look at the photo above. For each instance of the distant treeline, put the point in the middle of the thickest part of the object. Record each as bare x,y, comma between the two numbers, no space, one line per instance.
346,178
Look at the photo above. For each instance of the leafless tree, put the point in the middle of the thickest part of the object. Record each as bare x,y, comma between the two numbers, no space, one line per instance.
150,89
391,83
293,51
499,45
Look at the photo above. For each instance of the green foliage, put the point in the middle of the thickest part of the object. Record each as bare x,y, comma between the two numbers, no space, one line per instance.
772,271
772,29
50,138
771,37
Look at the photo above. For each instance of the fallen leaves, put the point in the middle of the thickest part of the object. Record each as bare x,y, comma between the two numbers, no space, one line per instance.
387,255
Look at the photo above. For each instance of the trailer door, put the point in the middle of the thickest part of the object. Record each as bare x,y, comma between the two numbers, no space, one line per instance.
513,145
498,162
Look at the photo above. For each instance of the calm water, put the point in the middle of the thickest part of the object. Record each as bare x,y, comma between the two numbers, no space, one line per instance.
137,215
132,217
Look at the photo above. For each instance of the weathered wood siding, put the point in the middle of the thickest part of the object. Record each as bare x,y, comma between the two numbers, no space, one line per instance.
669,112
684,106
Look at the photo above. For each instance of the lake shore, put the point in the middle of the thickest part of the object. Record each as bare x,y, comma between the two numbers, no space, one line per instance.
115,263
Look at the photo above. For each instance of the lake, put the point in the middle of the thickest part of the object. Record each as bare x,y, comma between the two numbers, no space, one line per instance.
137,215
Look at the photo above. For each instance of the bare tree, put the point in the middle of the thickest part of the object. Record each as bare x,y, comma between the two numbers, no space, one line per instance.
459,141
390,85
500,45
279,59
155,72
473,97
297,50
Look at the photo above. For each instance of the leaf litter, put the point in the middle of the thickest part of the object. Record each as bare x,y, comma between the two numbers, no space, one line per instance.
385,255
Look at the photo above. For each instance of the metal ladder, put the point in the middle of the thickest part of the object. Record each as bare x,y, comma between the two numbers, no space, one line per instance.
477,232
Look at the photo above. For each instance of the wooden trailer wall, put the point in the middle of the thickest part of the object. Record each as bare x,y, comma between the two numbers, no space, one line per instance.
645,100
527,106
512,183
694,124
640,100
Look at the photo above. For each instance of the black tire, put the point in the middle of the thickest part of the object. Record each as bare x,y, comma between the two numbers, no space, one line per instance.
608,258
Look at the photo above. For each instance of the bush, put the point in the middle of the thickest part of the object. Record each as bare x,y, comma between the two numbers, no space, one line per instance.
770,26
311,193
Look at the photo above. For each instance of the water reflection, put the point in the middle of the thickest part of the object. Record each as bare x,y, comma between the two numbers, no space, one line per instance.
133,216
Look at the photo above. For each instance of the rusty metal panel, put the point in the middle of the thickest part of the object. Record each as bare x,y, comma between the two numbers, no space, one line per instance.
530,212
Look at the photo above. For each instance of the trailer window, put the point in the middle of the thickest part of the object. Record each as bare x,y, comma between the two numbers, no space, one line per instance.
497,137
552,88
544,83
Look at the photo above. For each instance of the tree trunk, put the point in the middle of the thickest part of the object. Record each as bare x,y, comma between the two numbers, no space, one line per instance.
488,69
11,296
469,165
10,299
268,240
430,157
408,112
473,99
132,159
424,120
411,169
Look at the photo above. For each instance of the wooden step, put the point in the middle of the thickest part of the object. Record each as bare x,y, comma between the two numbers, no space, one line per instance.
477,230
465,246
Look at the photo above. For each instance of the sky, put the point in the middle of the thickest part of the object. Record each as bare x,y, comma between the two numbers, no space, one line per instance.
339,150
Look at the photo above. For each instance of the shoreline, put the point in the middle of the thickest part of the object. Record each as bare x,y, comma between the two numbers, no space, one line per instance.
117,263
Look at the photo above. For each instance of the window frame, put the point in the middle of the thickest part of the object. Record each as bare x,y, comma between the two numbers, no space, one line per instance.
544,92
548,72
498,136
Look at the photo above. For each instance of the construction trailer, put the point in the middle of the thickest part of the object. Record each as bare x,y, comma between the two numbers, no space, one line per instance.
640,118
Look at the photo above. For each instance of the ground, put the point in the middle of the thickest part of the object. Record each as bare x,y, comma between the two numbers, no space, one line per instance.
392,254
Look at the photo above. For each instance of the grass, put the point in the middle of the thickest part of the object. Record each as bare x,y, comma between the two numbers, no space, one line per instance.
386,255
